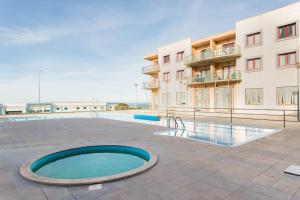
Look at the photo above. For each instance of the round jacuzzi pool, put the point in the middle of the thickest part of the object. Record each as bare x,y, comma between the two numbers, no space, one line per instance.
88,165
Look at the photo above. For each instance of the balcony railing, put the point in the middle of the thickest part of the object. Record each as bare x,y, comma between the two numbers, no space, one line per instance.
150,85
151,69
212,55
212,78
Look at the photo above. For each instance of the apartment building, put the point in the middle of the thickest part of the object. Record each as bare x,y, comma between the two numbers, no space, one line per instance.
252,66
269,51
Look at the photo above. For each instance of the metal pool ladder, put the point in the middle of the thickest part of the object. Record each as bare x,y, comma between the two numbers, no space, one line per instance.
175,119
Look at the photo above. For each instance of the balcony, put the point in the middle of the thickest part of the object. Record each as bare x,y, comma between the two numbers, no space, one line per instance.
234,76
151,69
151,85
217,55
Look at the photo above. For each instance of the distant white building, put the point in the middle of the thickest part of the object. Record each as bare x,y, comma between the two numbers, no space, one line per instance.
40,108
52,107
16,108
78,106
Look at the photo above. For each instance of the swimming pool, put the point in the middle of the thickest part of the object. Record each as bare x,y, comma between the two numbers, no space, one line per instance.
225,135
220,134
89,164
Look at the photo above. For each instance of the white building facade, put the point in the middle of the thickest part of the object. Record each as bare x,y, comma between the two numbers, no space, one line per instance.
173,90
252,66
269,51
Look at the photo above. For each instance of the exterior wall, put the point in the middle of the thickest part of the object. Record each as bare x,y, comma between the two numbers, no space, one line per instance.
35,108
78,106
15,108
270,76
173,86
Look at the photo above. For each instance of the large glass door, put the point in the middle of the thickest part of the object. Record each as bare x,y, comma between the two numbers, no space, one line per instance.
223,97
202,97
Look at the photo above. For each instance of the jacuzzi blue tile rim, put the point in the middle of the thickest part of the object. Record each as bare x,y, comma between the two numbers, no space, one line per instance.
27,172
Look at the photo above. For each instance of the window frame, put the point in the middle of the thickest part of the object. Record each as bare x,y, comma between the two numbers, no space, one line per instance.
286,53
253,34
185,99
262,103
277,96
182,74
166,56
168,75
255,69
179,52
277,39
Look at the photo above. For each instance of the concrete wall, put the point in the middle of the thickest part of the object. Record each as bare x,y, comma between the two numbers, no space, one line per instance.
270,76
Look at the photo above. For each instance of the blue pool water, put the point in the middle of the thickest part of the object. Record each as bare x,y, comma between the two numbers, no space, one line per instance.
220,134
146,117
90,162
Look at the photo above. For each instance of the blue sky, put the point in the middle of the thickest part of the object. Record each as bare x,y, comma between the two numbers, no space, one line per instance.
91,49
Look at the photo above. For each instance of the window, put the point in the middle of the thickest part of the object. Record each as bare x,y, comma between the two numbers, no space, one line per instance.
227,47
253,64
66,108
254,96
166,98
166,59
84,108
95,107
179,56
286,95
78,108
286,31
286,59
180,74
253,39
57,108
166,76
180,98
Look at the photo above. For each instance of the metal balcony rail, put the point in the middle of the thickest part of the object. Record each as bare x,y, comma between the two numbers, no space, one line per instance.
150,69
209,54
233,75
150,85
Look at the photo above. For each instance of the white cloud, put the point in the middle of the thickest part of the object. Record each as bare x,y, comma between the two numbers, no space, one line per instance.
86,20
21,35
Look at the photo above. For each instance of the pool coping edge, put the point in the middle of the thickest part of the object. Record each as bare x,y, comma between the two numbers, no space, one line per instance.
26,172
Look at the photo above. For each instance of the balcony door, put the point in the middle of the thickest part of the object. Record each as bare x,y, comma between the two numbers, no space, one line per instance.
202,97
227,47
223,97
227,71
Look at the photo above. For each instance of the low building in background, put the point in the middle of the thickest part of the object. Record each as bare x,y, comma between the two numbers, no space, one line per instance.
16,108
51,107
40,108
78,106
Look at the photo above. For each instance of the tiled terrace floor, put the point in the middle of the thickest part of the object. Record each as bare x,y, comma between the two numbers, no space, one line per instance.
186,170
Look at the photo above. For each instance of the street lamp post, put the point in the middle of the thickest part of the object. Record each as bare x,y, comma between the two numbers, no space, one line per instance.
40,71
136,91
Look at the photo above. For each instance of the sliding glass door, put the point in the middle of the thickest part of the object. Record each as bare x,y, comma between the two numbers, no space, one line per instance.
202,97
223,97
